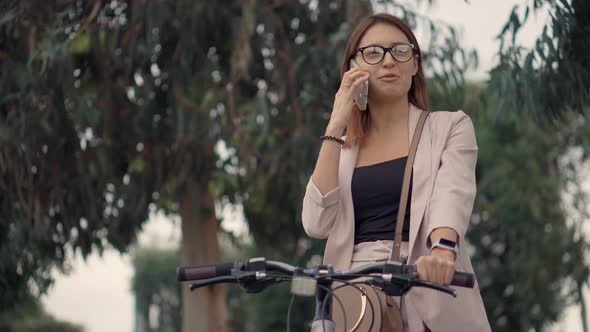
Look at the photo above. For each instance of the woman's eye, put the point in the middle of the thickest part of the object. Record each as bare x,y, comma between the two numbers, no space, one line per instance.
402,50
372,51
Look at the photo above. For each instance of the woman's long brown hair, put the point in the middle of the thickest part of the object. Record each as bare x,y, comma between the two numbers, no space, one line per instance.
418,94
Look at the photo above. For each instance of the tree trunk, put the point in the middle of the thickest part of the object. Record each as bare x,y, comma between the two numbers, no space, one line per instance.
582,306
203,310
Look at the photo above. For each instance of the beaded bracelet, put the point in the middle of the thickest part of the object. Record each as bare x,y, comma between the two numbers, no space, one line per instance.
333,138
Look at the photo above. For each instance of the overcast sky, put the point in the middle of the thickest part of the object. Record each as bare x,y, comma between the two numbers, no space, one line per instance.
97,293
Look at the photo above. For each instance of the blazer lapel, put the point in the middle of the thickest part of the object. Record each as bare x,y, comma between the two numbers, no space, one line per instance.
341,247
420,170
347,164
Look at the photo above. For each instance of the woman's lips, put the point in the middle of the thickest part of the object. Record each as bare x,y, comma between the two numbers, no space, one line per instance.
389,77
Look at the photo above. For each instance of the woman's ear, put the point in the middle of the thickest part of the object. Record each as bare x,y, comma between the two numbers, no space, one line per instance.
416,64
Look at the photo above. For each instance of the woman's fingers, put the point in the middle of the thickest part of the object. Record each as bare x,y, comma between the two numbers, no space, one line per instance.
449,271
422,268
354,88
352,77
345,96
344,101
359,80
435,269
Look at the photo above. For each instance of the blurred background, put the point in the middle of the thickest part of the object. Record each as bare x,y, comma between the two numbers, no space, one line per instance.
136,136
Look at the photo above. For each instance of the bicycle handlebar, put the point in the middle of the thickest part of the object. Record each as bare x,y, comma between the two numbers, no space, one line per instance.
213,272
391,277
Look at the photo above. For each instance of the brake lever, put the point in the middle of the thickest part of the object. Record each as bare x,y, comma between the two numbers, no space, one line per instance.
399,285
255,282
213,281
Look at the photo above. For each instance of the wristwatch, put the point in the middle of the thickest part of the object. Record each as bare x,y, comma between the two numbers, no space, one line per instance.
446,244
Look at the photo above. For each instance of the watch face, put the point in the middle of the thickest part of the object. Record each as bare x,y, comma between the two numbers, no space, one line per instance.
447,242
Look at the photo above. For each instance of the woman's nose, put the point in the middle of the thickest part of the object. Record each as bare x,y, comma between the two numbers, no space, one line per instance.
389,61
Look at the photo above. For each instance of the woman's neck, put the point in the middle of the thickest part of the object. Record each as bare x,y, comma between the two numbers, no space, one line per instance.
389,115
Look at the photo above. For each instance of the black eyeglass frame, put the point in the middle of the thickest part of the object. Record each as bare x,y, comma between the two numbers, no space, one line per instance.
387,50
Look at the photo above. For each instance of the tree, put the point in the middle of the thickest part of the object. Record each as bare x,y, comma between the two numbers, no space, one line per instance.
519,210
114,109
30,316
526,285
549,84
552,78
156,291
106,113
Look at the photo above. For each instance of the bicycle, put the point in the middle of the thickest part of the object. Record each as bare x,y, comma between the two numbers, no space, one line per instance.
391,277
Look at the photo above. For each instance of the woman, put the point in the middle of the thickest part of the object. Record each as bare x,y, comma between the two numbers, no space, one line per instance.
352,197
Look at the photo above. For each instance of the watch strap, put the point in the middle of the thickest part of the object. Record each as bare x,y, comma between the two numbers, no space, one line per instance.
438,244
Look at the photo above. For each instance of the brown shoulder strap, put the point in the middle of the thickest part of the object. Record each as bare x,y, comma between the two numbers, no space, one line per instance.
406,187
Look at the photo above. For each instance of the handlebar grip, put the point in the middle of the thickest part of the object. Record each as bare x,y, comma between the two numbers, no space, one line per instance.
461,279
197,272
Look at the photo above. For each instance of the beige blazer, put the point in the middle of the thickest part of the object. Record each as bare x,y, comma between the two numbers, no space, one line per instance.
443,192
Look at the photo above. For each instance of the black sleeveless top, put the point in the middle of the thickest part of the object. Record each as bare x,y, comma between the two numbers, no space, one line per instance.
376,191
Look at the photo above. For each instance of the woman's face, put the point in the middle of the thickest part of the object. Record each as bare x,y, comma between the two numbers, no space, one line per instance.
388,78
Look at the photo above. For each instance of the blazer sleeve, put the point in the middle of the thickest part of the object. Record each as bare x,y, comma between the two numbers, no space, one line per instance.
319,211
451,203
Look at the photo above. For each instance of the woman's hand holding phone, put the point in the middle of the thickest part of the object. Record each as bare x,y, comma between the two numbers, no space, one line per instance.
344,102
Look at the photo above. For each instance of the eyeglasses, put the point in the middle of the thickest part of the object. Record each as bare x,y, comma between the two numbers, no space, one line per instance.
375,53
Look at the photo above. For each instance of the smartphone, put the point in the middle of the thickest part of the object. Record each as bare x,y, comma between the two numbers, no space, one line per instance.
361,98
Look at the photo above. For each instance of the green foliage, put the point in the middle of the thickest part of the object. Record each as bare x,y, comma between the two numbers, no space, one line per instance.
544,92
45,324
527,254
111,107
108,108
100,117
156,291
29,316
525,241
553,77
